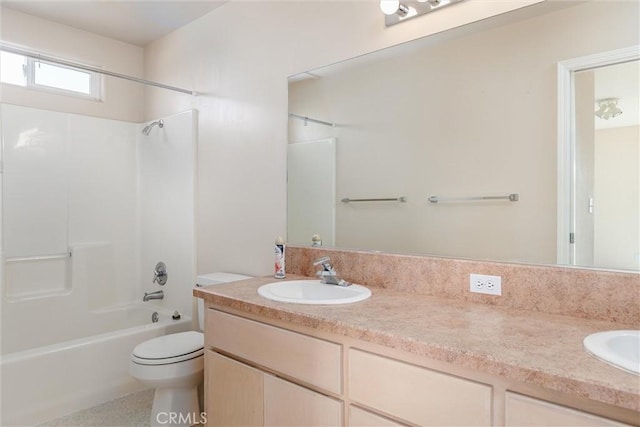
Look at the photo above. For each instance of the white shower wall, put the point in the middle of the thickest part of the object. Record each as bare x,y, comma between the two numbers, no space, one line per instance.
166,170
69,185
117,200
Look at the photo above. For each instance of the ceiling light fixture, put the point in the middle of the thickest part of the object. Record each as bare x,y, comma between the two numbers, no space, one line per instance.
607,108
396,12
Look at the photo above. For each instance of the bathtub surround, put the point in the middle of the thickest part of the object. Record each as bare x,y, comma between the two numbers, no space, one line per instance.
588,294
118,202
51,381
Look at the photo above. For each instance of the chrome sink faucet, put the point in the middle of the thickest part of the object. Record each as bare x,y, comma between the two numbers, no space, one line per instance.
152,295
327,274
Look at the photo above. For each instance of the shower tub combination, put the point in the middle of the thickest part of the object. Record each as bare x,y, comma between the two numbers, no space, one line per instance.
83,200
43,383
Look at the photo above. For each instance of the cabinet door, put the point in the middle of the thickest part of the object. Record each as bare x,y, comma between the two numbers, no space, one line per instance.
526,411
417,395
234,393
287,404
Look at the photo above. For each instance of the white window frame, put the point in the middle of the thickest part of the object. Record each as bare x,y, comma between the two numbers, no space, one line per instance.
29,73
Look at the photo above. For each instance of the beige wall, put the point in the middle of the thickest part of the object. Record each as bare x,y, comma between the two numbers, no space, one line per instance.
122,99
475,115
239,57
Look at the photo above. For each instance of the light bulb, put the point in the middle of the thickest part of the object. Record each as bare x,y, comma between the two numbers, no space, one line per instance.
389,7
615,111
601,110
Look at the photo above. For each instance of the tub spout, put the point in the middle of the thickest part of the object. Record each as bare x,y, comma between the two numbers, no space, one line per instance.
153,295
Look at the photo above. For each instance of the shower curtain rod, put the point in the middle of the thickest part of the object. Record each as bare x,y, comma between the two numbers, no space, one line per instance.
309,119
38,56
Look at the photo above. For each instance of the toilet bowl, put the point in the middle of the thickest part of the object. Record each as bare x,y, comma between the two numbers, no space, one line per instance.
174,364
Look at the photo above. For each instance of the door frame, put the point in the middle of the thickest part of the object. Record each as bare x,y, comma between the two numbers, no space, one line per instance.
566,140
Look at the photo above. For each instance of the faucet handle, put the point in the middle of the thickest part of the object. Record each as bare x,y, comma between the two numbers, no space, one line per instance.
160,274
323,260
327,268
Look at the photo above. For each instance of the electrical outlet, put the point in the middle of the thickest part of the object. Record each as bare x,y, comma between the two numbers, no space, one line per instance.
483,284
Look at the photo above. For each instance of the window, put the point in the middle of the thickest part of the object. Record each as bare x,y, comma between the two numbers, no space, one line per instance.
33,73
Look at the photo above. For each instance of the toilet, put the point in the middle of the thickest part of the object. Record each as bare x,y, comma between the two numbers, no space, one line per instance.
174,366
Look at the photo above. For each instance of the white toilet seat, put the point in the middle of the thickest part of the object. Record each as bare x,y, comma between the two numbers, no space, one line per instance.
168,349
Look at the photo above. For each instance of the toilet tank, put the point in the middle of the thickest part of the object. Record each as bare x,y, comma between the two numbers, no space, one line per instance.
212,279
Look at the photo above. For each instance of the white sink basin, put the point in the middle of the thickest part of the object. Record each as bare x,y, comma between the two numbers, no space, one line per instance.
618,348
313,292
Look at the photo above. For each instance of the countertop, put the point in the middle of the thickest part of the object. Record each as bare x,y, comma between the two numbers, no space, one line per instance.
534,348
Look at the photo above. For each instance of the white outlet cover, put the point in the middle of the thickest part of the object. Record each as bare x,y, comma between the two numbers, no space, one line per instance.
485,284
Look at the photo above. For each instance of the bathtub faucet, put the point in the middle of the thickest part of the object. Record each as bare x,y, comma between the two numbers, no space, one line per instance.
153,295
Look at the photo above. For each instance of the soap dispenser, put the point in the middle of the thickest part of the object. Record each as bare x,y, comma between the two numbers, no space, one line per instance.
279,261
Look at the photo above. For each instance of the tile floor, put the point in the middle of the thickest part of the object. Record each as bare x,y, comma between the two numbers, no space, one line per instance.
132,410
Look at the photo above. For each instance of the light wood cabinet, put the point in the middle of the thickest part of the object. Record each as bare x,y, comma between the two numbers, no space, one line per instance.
361,418
287,404
525,411
234,393
313,361
258,374
415,394
240,395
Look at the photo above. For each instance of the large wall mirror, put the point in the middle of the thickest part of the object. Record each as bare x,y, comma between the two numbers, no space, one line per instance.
448,145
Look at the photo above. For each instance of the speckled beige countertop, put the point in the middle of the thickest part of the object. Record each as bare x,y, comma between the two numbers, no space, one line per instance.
534,348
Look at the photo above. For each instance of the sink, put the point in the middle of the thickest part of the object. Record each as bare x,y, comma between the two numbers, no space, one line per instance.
313,292
618,348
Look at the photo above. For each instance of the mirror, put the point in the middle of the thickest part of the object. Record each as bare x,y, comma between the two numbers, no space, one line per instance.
468,116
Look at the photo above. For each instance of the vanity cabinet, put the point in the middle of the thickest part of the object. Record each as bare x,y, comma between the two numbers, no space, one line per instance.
258,374
250,394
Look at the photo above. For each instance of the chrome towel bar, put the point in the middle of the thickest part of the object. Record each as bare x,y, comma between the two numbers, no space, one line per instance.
401,199
511,197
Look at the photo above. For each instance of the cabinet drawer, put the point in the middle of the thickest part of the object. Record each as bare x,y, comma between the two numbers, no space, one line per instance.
526,411
361,418
310,360
416,394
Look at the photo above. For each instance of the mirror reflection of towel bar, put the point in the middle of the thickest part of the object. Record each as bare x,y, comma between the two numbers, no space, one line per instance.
401,199
511,197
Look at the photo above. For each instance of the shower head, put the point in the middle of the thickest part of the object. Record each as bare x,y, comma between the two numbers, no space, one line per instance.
147,128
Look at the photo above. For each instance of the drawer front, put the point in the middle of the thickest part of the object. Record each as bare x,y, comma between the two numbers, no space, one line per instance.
526,411
361,418
416,394
310,360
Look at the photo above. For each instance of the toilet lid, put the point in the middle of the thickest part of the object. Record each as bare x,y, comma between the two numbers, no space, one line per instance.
169,348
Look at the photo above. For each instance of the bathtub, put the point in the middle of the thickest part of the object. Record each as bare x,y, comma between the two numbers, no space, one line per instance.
43,383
